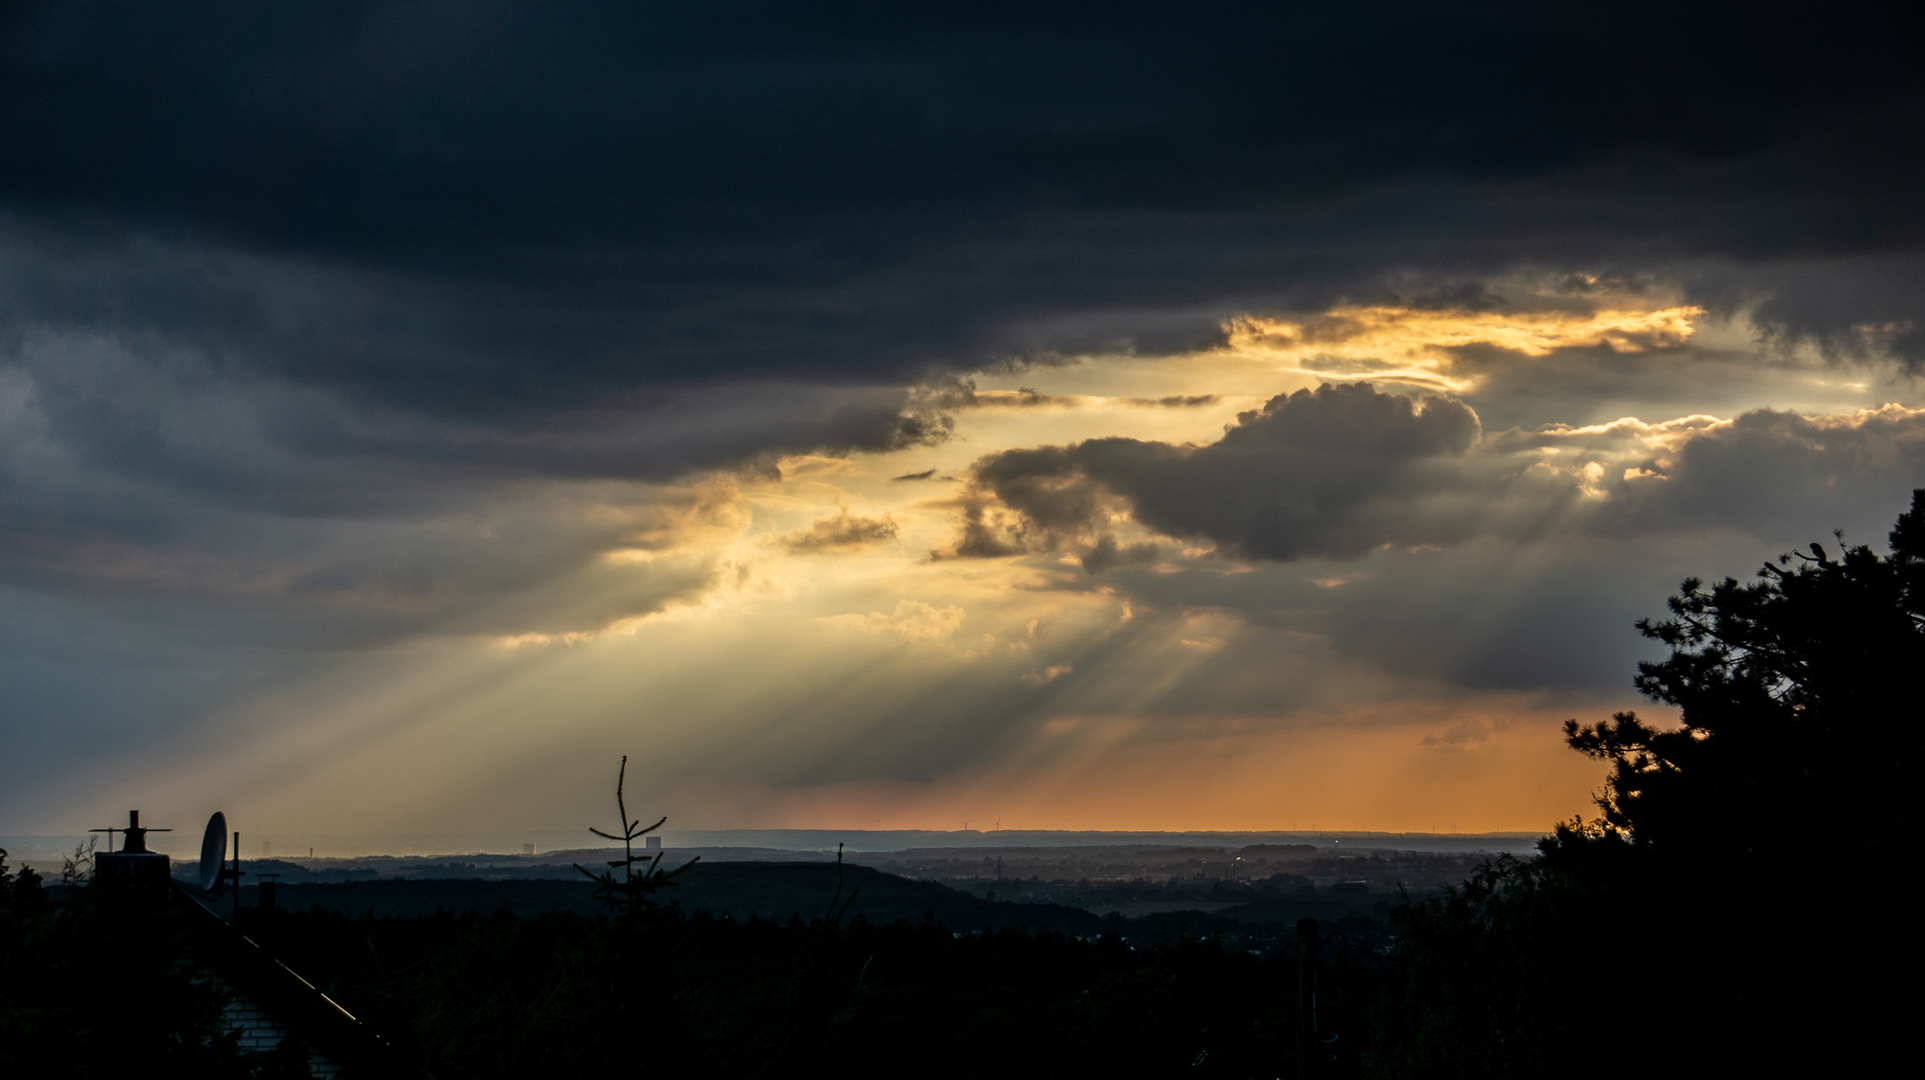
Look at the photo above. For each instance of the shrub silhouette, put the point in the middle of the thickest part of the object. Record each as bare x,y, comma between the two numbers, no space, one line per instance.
631,895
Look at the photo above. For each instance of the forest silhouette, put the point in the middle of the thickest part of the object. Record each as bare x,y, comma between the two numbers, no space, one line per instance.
1709,917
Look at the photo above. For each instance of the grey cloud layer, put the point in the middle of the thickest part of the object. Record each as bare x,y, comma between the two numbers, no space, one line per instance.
1779,474
1344,469
134,464
1510,566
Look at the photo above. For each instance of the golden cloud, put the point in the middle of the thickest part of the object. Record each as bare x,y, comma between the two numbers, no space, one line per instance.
1416,345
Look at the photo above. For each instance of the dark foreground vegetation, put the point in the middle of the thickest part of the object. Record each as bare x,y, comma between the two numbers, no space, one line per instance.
1659,938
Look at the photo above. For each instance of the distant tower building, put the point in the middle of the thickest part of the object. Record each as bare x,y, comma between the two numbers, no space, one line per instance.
527,849
651,843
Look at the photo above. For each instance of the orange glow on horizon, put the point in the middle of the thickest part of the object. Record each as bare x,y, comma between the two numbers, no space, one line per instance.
1465,769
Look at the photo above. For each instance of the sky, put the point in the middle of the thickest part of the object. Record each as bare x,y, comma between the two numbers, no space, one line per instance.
1071,416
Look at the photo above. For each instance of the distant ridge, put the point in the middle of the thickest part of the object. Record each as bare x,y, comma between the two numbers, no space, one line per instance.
902,839
45,850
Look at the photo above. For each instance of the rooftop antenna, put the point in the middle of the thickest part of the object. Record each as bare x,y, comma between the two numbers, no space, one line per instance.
133,866
234,875
136,836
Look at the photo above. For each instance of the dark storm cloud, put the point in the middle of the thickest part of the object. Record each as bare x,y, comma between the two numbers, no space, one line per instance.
1330,472
482,206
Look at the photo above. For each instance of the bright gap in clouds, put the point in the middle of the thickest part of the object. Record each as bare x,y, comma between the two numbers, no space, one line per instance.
1212,593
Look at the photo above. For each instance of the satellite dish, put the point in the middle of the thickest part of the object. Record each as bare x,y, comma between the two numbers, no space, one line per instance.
214,854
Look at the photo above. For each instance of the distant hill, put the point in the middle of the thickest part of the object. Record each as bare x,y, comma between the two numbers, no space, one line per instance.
748,889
